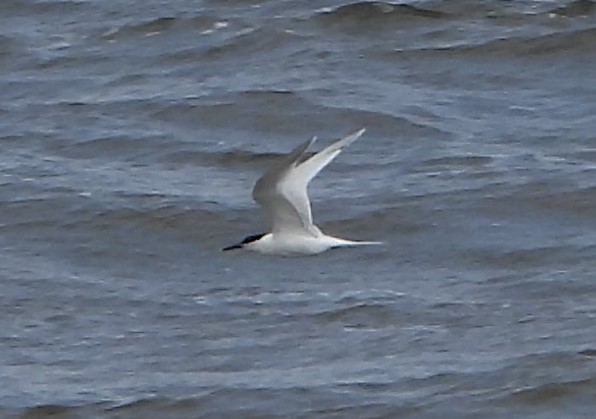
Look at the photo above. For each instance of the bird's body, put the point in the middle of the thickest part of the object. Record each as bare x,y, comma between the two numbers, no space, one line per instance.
282,192
299,245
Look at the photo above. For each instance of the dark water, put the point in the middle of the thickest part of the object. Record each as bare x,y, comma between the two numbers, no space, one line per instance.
131,133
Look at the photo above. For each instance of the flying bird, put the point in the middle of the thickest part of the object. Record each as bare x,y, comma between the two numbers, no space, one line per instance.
282,193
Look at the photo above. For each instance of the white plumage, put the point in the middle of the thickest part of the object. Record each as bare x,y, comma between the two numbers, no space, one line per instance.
282,193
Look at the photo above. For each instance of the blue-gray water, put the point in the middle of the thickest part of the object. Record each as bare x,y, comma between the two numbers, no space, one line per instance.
131,133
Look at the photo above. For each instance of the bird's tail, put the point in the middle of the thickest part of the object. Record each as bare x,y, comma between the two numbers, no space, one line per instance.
365,243
350,243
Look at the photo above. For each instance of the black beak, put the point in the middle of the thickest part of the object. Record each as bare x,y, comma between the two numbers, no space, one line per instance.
236,246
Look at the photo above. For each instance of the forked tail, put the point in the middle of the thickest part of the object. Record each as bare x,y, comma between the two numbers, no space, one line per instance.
365,243
350,243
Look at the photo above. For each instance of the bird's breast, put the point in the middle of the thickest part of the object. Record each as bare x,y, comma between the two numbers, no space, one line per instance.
293,245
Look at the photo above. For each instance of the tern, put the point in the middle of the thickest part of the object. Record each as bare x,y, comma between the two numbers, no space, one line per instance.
282,193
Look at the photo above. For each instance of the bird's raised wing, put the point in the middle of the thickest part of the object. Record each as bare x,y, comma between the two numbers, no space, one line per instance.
268,192
309,168
282,191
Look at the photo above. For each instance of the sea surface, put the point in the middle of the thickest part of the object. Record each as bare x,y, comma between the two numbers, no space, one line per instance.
132,132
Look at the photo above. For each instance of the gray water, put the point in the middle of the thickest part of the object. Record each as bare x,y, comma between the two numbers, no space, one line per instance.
131,133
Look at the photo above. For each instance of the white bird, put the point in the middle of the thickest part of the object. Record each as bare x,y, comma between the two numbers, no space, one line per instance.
282,193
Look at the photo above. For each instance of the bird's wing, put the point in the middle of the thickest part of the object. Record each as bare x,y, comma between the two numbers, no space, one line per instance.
283,190
294,186
308,169
268,192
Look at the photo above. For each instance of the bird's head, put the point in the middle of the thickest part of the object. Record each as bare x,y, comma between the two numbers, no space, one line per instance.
248,240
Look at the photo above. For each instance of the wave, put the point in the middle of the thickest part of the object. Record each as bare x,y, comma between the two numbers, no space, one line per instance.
548,393
41,8
277,121
163,24
247,43
576,8
368,13
556,44
142,408
105,147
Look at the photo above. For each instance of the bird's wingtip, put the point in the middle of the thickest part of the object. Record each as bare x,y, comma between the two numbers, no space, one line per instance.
350,138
